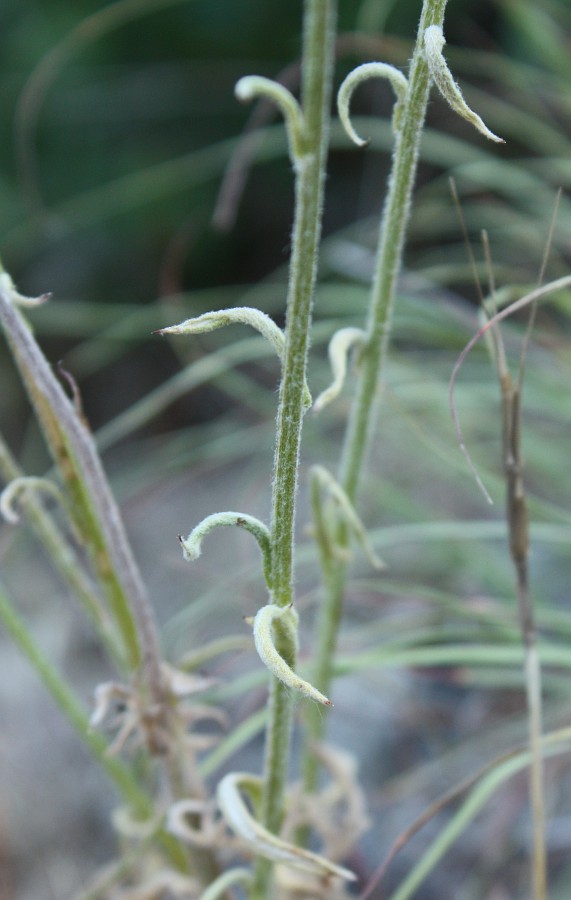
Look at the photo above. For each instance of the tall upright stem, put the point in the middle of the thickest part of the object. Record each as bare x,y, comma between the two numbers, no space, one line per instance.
518,528
317,66
394,223
316,96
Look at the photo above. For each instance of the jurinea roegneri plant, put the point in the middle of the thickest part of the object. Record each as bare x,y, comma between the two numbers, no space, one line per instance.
154,707
428,66
275,625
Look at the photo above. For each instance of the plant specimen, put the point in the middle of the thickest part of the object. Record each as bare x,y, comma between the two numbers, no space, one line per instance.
183,833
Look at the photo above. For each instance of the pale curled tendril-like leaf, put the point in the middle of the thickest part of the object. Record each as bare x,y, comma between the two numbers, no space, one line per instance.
195,822
181,684
192,545
7,285
252,86
164,883
336,813
264,641
22,485
342,767
123,710
104,696
130,826
441,75
239,315
341,344
537,294
362,73
348,512
262,841
220,885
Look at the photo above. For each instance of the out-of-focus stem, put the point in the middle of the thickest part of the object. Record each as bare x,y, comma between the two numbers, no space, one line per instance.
518,527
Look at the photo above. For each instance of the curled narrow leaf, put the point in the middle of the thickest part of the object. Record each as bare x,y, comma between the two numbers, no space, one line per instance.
348,512
192,545
252,86
129,825
219,887
105,696
340,346
195,822
240,315
259,839
362,73
22,485
7,285
179,683
265,645
433,43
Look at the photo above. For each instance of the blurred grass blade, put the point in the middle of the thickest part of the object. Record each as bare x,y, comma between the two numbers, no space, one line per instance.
486,788
93,509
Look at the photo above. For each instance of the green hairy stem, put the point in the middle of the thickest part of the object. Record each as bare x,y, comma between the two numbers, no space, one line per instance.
319,26
373,354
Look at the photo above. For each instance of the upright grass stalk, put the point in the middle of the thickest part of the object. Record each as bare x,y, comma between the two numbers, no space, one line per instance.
518,527
394,224
517,518
372,357
317,66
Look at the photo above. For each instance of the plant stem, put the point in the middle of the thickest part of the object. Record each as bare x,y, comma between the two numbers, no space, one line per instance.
518,527
316,91
94,511
394,223
534,704
97,520
317,66
389,256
